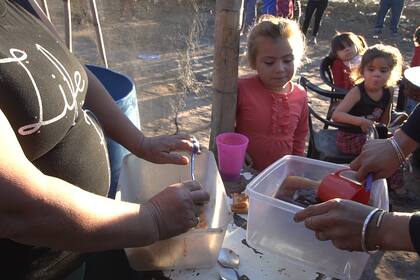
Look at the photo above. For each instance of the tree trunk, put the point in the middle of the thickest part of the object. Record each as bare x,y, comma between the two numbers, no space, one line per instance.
225,74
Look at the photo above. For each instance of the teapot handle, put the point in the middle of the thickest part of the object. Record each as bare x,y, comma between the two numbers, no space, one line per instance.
338,173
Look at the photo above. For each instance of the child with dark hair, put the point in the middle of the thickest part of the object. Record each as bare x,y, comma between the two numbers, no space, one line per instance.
346,52
370,101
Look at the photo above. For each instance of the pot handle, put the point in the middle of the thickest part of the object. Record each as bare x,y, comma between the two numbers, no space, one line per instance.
338,173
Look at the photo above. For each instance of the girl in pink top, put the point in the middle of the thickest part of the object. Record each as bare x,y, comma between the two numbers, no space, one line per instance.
272,110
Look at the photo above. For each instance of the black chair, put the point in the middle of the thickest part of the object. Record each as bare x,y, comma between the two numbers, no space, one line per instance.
327,77
334,96
322,143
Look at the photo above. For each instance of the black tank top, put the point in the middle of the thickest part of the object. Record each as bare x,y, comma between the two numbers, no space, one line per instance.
369,108
42,91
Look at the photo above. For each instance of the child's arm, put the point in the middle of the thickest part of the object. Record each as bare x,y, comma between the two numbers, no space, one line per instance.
386,116
301,131
341,114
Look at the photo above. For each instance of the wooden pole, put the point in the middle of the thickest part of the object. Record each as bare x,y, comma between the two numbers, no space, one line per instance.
225,74
67,25
98,29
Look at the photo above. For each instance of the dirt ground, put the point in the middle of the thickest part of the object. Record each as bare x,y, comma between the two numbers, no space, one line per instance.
168,51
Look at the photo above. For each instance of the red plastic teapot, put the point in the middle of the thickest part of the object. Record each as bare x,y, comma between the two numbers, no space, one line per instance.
335,185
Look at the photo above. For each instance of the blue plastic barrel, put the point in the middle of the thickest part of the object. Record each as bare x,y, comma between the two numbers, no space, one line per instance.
123,91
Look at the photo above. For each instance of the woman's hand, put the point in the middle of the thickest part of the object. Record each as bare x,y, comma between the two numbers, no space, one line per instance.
158,149
380,158
176,209
377,157
340,221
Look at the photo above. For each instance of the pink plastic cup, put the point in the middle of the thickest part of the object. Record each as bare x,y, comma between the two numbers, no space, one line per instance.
231,149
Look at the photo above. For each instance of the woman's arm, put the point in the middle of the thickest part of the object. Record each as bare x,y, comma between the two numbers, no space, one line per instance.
41,210
341,221
341,114
118,127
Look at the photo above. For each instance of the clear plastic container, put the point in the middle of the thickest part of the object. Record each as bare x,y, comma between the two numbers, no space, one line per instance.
271,226
198,248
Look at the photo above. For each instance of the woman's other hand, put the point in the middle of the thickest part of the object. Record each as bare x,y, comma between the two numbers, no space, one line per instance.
160,149
340,221
176,209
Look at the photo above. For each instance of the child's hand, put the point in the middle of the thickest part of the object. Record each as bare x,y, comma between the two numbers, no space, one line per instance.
365,124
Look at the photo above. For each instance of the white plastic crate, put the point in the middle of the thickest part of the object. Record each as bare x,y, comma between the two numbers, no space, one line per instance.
198,248
271,226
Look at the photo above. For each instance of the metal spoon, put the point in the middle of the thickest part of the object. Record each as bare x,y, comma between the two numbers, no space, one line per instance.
228,258
195,150
228,274
229,261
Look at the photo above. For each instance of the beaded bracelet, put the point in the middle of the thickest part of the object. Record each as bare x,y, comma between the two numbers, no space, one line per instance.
365,225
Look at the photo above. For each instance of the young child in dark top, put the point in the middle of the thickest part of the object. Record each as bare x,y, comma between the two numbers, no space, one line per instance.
370,100
346,53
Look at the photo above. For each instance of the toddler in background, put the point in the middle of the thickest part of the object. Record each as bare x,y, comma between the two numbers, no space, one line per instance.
370,101
272,111
415,61
346,53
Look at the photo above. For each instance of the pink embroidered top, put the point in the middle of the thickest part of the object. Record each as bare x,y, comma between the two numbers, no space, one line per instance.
276,124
